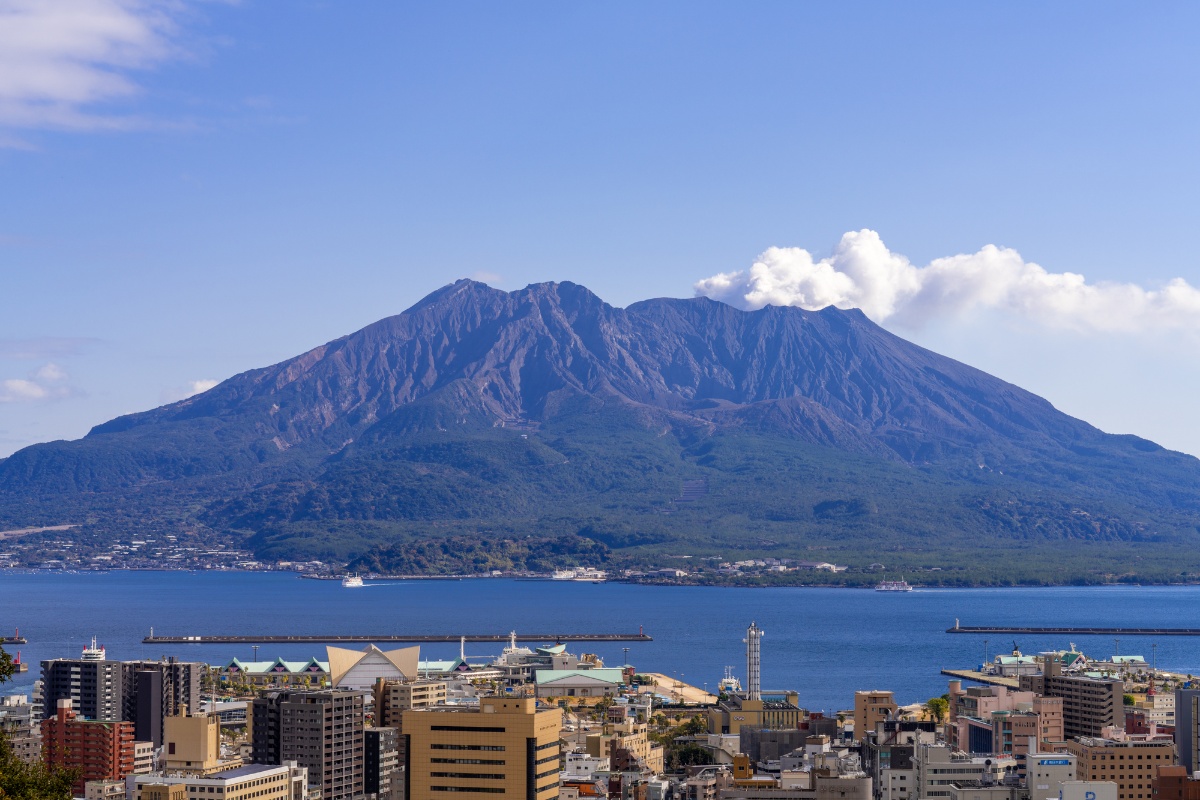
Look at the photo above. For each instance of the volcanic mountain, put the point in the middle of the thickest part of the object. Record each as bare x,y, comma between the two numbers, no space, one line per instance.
483,428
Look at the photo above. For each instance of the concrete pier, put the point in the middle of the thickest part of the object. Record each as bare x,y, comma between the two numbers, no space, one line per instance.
397,637
1075,631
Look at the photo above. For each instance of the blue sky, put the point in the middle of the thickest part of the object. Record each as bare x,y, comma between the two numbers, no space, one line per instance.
190,190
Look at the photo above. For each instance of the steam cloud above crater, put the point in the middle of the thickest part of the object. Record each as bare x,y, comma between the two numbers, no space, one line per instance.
862,273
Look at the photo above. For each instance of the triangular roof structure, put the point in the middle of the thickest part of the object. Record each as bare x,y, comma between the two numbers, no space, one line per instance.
360,669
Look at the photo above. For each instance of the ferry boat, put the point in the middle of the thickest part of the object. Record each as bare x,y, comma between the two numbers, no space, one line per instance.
893,586
352,581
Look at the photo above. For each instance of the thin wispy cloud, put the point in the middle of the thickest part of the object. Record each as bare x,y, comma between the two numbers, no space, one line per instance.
49,382
62,61
863,273
44,347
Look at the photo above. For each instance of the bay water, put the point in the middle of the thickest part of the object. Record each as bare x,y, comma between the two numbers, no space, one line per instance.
822,643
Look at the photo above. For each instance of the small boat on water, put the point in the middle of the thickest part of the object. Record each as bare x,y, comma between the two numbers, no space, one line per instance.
893,586
352,581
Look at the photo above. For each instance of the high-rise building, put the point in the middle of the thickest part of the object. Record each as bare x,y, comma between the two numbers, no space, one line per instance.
505,747
91,682
1130,761
381,761
1089,704
320,730
1187,728
151,691
99,750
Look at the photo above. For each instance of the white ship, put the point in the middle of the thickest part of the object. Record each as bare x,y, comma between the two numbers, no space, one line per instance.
729,684
564,575
352,581
893,586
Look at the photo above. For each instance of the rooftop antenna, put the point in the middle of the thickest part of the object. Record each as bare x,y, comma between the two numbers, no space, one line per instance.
753,642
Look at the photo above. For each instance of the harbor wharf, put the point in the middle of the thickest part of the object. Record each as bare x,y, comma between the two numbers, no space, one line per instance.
982,677
396,637
1071,630
13,640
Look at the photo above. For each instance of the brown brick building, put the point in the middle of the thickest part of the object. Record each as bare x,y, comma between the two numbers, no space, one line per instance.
100,750
1174,783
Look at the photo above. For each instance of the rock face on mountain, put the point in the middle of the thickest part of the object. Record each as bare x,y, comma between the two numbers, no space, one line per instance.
546,409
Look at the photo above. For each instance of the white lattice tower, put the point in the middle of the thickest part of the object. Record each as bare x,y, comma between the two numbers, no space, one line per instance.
753,642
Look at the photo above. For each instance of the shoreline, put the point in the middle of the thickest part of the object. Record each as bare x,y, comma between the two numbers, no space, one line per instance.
918,588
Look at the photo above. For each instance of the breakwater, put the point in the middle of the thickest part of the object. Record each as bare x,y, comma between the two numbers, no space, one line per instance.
303,638
1073,630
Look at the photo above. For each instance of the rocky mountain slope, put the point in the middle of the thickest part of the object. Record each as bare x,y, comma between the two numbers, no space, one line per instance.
546,412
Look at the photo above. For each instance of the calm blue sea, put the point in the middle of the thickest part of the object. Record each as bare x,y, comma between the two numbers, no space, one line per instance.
825,643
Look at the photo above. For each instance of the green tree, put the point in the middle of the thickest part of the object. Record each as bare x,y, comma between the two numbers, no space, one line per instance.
21,781
1129,699
937,707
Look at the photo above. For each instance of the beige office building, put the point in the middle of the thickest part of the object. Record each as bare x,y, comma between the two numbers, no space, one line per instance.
729,716
392,698
192,745
507,747
870,709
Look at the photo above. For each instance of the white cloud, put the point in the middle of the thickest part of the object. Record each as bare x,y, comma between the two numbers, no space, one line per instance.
863,273
196,387
49,382
192,388
61,58
51,373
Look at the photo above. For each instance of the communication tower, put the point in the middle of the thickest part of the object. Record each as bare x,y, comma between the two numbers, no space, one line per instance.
753,641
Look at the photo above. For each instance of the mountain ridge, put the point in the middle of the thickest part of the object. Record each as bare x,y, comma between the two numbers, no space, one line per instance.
459,404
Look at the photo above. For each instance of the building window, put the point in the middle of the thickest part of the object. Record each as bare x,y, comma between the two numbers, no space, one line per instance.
479,790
